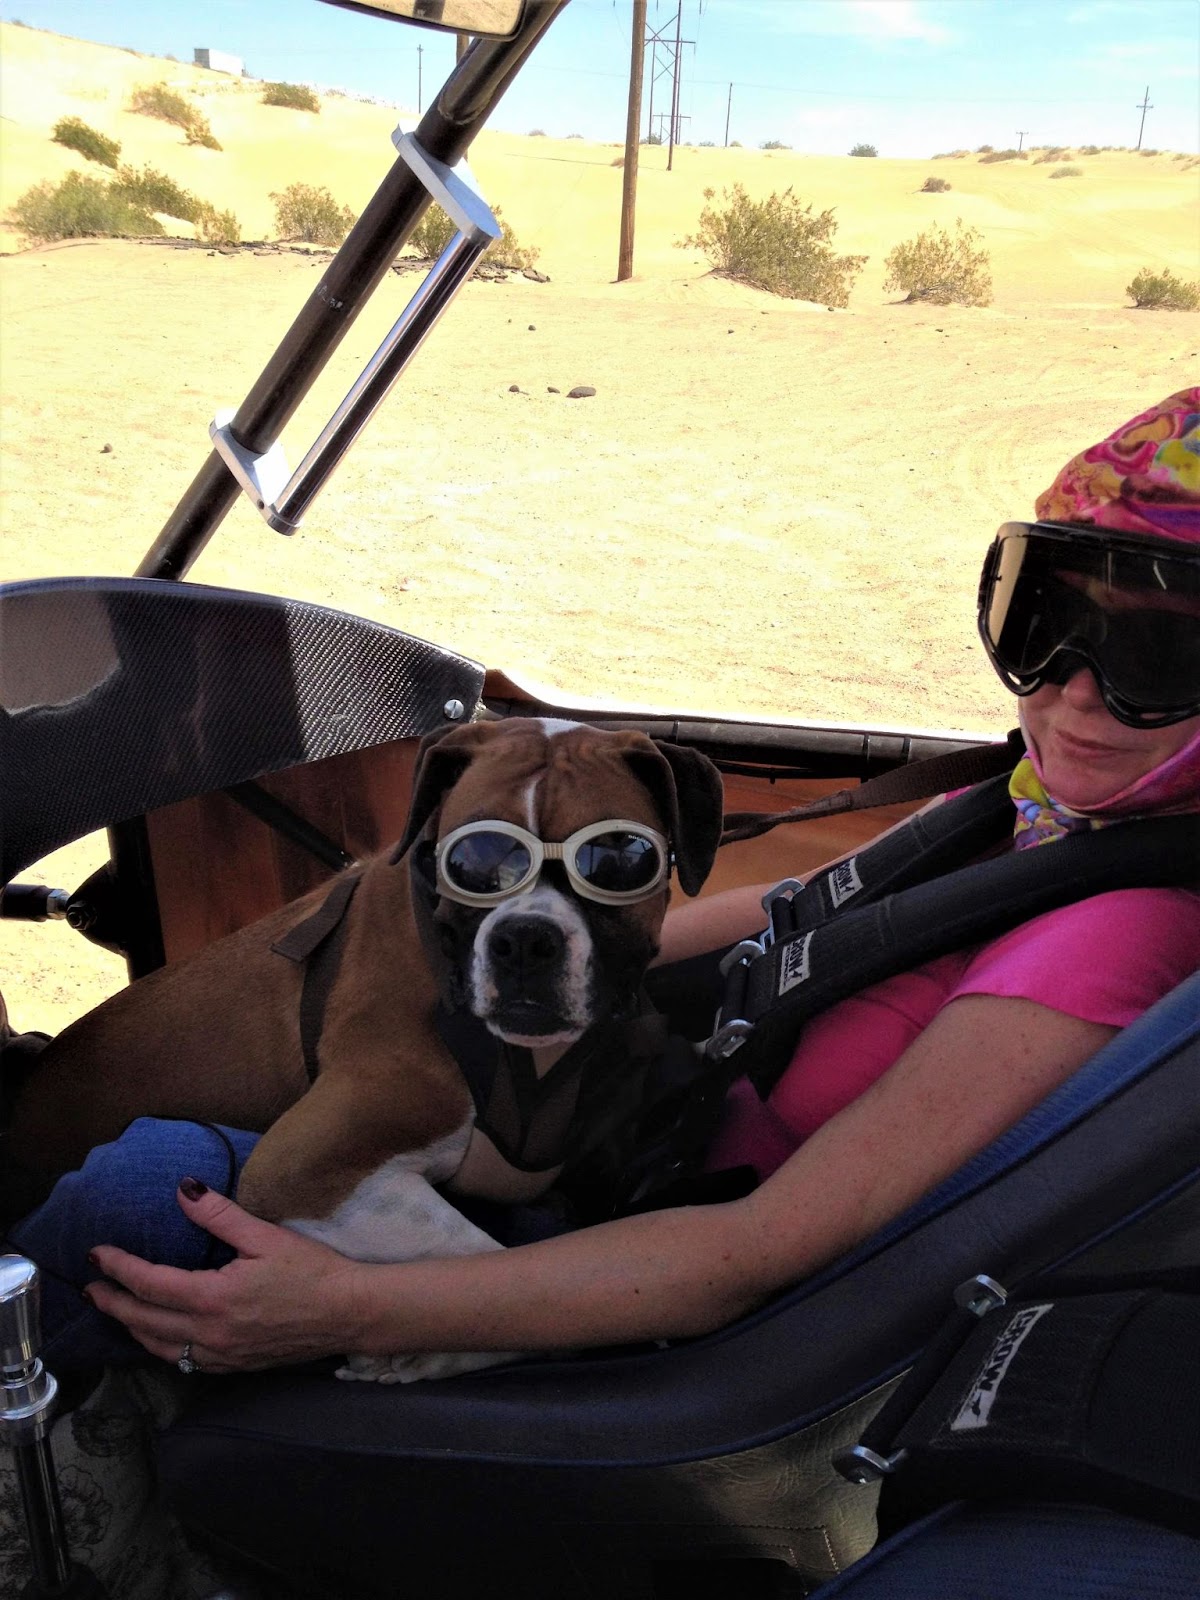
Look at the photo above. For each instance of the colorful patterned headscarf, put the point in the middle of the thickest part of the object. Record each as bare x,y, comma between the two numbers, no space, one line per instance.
1144,478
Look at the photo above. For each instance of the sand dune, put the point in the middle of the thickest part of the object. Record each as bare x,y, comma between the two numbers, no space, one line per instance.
767,508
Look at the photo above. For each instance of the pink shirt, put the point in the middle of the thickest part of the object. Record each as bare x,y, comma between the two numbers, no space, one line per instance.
1105,959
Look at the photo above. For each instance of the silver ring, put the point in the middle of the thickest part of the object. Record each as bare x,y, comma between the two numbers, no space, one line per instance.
185,1363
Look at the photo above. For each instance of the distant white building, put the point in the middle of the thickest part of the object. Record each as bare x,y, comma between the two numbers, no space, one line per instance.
218,61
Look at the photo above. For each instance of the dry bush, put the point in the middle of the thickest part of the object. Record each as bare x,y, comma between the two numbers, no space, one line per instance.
776,244
1091,149
217,227
774,144
1163,291
990,156
435,231
154,191
1067,172
1051,152
864,150
81,208
296,96
1151,152
75,134
156,100
311,215
942,267
934,186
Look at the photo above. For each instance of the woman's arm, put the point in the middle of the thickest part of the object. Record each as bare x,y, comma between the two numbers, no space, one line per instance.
979,1066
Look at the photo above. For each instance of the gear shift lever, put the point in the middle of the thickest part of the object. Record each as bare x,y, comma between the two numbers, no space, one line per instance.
27,1396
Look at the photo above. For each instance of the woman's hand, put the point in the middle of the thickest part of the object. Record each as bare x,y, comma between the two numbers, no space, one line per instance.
283,1299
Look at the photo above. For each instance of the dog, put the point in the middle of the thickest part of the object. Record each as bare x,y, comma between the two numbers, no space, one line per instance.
441,925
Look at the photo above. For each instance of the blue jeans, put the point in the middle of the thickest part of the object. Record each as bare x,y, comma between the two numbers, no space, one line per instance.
124,1194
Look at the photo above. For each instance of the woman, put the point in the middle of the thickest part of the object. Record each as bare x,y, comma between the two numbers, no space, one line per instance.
890,1091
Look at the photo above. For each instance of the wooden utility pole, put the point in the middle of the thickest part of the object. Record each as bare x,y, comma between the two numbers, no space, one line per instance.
1021,132
1143,108
728,109
637,59
420,50
675,87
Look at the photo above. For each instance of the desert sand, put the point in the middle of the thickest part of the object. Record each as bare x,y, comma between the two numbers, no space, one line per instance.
767,508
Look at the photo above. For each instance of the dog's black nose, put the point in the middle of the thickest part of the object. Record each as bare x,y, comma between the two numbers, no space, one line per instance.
523,946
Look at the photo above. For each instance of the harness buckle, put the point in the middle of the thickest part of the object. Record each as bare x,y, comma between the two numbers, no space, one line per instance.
859,1464
727,1039
742,954
980,1295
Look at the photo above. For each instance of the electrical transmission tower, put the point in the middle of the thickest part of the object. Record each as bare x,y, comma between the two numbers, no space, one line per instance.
666,57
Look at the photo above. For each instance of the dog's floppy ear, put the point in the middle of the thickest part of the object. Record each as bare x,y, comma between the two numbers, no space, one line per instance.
442,758
687,788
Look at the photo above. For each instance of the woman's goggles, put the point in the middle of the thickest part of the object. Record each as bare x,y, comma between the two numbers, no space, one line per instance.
614,862
1054,597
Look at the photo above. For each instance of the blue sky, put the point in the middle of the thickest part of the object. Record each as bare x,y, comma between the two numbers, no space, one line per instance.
912,77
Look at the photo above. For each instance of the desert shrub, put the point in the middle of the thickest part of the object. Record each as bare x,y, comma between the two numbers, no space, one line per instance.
537,133
435,231
652,138
864,150
296,96
574,136
1163,291
1067,172
1002,155
1151,152
934,186
154,191
984,149
312,215
1089,149
156,100
943,267
81,208
217,227
735,144
75,134
776,244
774,144
617,161
1051,152
711,144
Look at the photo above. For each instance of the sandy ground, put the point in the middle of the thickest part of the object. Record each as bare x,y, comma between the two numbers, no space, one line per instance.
766,509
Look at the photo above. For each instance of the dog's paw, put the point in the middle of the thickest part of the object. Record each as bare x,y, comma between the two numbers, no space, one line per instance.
414,1369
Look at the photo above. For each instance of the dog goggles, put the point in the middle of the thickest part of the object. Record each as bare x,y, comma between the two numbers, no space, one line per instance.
615,862
1054,597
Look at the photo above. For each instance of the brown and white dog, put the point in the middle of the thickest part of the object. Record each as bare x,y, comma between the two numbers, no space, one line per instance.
351,1155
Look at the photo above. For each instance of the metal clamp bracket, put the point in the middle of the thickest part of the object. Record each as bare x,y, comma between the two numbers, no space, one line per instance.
282,501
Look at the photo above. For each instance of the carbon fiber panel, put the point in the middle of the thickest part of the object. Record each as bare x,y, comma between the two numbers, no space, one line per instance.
118,695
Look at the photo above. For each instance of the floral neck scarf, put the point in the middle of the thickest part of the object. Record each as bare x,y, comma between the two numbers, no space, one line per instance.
1040,818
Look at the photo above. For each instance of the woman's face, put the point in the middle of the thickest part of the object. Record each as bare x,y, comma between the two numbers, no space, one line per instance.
1086,755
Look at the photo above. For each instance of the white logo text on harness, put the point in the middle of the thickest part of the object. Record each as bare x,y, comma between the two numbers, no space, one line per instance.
793,969
844,881
977,1407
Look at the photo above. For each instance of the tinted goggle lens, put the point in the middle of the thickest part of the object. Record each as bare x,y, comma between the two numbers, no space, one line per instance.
485,862
1052,599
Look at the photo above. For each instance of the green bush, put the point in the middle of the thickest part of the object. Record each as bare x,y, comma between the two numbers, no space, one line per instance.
81,208
435,231
934,186
154,191
941,267
312,215
776,244
1002,155
1067,172
1163,291
156,100
297,96
864,150
75,134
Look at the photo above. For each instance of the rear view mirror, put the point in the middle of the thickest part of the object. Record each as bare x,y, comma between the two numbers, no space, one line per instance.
485,19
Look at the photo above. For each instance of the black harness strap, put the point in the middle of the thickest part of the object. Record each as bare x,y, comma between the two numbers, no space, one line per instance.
316,943
1081,1392
838,949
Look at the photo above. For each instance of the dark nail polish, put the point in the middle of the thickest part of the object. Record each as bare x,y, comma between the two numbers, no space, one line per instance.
193,1188
93,1258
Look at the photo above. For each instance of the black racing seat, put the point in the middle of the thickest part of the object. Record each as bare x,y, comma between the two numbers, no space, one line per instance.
585,1476
118,695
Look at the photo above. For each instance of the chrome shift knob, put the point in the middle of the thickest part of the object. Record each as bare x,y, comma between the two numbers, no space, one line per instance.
27,1391
20,1308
